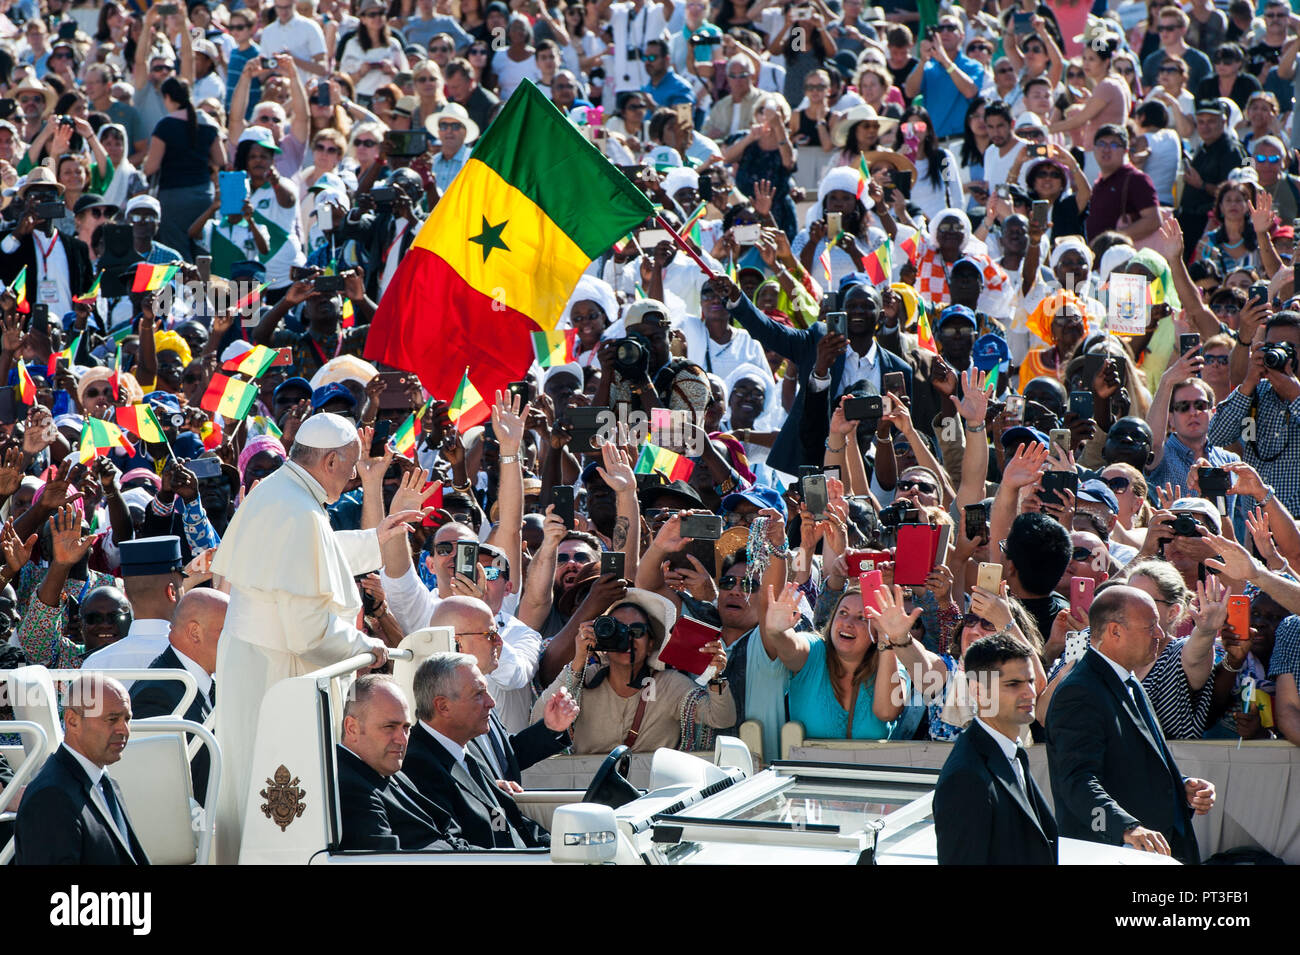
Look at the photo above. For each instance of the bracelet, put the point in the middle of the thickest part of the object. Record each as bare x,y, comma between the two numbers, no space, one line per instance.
508,458
899,646
460,487
1228,668
836,450
981,427
1267,497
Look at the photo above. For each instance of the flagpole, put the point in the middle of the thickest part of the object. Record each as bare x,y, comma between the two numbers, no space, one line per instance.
685,247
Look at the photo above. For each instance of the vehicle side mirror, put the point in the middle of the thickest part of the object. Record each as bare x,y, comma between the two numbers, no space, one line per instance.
584,834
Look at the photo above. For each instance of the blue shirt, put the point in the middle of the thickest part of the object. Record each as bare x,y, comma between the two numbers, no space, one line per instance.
445,170
1177,462
1276,432
946,103
238,58
813,702
670,91
421,31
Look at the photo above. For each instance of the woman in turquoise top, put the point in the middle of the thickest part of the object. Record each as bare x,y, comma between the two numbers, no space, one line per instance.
845,683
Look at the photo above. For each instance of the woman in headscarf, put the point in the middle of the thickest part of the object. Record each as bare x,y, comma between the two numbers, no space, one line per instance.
593,312
951,239
754,413
856,237
1071,266
1060,320
260,458
712,341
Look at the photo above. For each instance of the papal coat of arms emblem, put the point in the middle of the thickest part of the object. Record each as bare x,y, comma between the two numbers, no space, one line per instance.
283,799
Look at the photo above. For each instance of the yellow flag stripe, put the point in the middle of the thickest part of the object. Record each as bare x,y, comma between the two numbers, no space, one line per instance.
537,271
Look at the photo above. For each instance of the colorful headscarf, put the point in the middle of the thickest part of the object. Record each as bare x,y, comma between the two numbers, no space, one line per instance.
262,442
171,341
735,454
1040,319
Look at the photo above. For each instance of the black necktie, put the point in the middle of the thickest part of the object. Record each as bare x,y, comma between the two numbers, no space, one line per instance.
212,692
503,833
1140,698
1023,759
114,807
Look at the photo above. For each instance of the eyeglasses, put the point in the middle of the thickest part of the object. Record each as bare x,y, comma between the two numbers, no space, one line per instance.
973,619
327,148
574,558
1226,308
907,484
367,143
31,99
1216,360
1107,144
732,582
1182,407
494,634
1119,484
450,125
1268,159
948,28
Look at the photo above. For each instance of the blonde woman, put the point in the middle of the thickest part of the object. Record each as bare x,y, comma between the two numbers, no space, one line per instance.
427,77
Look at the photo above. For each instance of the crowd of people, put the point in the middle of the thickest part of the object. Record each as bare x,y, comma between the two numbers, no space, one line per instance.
905,332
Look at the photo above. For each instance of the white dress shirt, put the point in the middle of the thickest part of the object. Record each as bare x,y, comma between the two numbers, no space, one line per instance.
97,776
856,368
1008,747
201,676
141,645
450,745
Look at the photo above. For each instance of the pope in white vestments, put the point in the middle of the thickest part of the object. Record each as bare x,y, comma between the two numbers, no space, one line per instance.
293,602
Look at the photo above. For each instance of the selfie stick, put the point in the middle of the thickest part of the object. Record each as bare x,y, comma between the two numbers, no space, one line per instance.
685,247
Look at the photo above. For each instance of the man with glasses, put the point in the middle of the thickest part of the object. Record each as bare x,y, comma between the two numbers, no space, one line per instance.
1122,191
1218,155
431,19
663,85
1268,158
461,87
455,132
143,214
1267,53
734,113
1189,405
949,80
1171,25
298,36
1114,780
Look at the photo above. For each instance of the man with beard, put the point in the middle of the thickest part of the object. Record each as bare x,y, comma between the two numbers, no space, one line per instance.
826,360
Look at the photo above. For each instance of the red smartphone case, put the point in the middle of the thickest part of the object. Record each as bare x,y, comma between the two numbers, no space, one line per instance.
914,555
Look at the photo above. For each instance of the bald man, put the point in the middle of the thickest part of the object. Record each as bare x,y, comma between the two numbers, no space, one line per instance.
72,813
192,645
294,604
1113,778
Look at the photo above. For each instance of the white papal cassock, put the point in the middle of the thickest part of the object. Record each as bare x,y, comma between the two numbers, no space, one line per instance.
293,609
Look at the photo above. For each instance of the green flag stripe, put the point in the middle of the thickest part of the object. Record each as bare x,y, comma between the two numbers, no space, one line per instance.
580,190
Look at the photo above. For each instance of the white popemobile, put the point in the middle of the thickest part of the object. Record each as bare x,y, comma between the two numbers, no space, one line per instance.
695,812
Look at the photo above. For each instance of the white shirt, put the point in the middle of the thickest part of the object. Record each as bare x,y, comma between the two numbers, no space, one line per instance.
299,37
141,645
1009,748
450,745
856,368
996,165
201,676
54,267
97,776
1124,677
515,702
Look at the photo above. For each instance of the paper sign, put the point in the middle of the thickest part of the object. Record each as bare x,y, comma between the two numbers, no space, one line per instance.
1126,305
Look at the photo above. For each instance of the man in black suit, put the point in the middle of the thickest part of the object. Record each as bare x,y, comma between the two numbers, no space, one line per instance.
73,813
381,808
506,756
192,646
827,361
58,265
1113,778
452,704
987,808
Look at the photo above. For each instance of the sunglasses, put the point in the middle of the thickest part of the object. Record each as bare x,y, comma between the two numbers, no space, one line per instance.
1118,484
1216,360
1167,28
478,51
948,28
367,143
1169,68
493,573
650,57
450,124
93,392
973,619
1268,159
94,619
327,148
440,49
1072,75
574,558
1004,69
732,582
1226,308
1182,407
96,212
907,484
1081,554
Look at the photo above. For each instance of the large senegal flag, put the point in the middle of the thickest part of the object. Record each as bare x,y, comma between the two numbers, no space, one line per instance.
501,252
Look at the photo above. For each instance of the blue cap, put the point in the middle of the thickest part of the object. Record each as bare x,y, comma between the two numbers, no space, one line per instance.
1021,434
1098,492
296,382
759,495
989,352
164,401
327,393
147,556
187,445
854,278
973,263
957,311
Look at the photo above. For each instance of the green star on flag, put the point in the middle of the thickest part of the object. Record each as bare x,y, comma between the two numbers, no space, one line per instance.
490,238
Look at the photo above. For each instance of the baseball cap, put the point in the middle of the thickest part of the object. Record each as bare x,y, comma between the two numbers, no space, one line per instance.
957,311
260,135
1199,505
296,382
759,495
1098,492
664,157
144,202
1022,434
990,351
327,393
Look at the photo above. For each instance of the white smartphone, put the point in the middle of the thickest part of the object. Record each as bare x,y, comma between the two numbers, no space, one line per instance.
1076,645
650,238
325,217
747,234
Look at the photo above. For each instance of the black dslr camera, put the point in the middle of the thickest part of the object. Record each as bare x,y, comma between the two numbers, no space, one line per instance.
1185,525
612,636
1278,355
631,357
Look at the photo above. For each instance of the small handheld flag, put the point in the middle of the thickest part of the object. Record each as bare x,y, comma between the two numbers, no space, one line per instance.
555,347
404,439
19,289
924,337
150,278
228,397
142,422
669,463
26,386
468,407
254,362
91,294
99,437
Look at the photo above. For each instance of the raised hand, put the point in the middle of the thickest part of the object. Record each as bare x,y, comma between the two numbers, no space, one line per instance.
1257,523
890,618
617,471
1234,560
66,541
397,524
974,403
1023,467
782,610
411,492
1210,611
560,712
17,552
11,471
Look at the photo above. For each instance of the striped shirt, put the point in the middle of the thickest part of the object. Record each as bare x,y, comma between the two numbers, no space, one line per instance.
1182,714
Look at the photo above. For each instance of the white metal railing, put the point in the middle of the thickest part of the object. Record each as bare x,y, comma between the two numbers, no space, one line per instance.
184,676
24,775
352,664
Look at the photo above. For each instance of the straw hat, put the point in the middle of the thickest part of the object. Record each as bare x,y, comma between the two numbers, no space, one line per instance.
860,114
